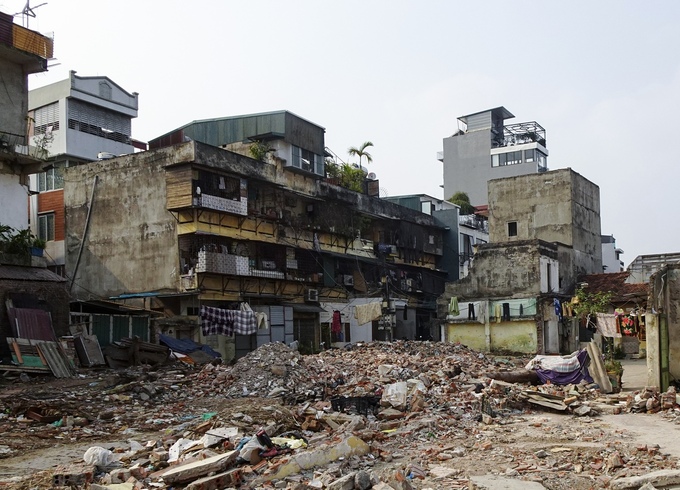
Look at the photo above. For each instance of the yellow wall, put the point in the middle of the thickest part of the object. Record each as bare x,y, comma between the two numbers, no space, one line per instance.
514,336
471,334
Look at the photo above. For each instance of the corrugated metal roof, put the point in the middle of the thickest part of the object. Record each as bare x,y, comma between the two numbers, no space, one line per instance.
18,273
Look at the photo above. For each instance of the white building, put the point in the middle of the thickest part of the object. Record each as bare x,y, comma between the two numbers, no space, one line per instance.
611,255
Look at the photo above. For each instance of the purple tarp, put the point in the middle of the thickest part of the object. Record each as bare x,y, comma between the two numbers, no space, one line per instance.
572,377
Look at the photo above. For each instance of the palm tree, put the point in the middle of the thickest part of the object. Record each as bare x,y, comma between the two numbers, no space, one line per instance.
361,152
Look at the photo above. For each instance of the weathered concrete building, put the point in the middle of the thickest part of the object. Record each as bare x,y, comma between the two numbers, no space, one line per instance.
188,225
485,148
24,281
22,52
559,206
79,120
544,232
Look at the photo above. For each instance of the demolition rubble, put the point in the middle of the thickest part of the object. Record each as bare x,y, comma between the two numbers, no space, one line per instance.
382,415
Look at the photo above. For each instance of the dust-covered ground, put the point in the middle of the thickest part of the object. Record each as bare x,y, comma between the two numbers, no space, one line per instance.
453,423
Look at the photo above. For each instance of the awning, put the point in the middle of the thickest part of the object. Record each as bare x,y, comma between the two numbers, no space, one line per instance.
303,308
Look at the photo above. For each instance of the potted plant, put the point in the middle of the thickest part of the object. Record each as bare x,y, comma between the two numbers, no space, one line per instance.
38,247
614,370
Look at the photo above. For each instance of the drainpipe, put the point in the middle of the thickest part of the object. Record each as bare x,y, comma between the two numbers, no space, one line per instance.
87,224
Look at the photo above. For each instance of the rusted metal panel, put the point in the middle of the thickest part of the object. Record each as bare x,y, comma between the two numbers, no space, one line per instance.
30,323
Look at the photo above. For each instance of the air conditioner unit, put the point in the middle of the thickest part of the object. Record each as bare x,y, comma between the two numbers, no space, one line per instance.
312,295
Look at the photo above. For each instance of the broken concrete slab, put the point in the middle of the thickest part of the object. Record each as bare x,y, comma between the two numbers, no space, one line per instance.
229,478
351,446
197,469
661,478
495,482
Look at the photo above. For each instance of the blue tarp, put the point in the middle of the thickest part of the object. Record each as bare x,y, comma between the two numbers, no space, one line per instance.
186,346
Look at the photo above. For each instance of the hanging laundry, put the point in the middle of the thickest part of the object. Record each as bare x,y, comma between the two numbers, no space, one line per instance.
606,325
336,322
216,321
368,312
471,311
497,313
453,306
482,312
558,308
245,323
506,312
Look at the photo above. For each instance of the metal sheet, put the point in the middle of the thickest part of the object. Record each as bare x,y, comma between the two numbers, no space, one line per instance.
278,334
88,350
276,315
33,324
56,360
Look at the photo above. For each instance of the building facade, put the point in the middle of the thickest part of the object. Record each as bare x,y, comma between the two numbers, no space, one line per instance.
544,233
77,120
611,255
22,52
209,227
486,148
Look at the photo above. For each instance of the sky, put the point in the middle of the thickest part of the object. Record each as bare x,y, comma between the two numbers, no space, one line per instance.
603,79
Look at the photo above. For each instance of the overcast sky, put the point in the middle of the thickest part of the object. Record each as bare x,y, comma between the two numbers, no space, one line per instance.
602,77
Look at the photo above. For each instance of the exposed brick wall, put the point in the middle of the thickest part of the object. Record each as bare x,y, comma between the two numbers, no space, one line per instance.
53,201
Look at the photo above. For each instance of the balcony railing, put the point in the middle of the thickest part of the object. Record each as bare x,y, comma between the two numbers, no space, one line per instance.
521,133
475,222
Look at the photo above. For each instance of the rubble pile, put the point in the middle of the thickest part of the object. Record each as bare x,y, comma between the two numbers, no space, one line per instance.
380,415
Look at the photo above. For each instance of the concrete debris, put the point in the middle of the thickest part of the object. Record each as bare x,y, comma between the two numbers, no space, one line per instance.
390,415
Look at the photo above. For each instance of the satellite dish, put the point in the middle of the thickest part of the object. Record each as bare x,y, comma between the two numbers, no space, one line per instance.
371,176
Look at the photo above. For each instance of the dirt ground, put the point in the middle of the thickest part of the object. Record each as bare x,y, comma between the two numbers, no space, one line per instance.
557,450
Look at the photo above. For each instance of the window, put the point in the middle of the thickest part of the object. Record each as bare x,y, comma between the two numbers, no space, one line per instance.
308,161
503,159
542,160
46,117
98,121
51,179
529,156
46,226
512,228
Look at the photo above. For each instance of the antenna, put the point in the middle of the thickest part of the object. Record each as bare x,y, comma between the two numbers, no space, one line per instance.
28,12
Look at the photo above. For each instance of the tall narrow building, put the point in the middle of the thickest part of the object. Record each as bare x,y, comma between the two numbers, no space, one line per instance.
486,148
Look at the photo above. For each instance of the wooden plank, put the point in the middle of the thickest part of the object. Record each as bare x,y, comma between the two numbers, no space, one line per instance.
17,352
597,369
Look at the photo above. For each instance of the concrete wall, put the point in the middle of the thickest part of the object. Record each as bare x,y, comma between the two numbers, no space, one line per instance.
559,206
514,336
14,100
13,199
502,271
665,299
131,242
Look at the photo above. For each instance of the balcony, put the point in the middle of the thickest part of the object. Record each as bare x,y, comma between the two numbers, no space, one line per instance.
475,222
239,207
24,46
222,263
519,134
